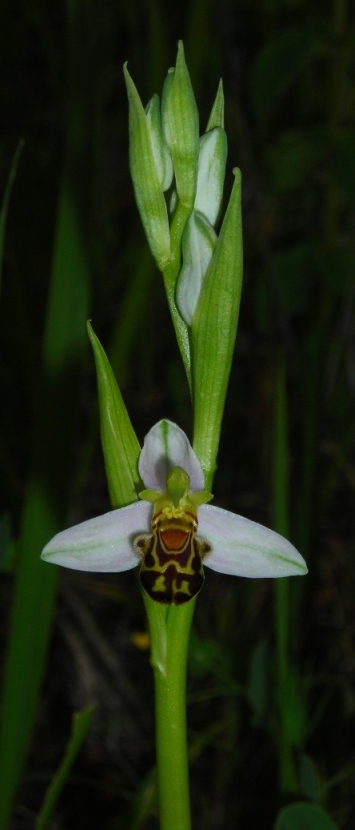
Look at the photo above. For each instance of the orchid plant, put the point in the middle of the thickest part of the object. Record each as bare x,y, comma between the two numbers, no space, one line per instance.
164,524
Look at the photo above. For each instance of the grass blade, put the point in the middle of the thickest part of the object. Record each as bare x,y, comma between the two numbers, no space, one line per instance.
45,504
6,199
80,728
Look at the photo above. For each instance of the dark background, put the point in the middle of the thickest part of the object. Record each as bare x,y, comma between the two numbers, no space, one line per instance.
288,72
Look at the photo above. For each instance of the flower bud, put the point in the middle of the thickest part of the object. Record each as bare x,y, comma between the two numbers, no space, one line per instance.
161,153
147,175
198,244
180,125
216,118
211,172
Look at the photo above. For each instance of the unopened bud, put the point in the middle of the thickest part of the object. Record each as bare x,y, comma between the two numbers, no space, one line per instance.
180,124
160,149
146,177
211,172
198,245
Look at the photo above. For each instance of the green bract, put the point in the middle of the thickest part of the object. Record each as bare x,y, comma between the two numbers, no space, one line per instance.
199,239
120,445
213,333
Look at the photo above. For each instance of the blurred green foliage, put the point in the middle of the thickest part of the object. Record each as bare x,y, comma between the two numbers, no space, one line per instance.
74,249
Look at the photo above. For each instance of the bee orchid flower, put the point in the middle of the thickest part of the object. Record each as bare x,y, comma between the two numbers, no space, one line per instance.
172,533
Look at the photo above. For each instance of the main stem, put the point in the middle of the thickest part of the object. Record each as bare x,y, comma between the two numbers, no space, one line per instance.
170,275
169,649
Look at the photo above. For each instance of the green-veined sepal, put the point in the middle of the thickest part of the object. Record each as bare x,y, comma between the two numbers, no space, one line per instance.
241,547
104,543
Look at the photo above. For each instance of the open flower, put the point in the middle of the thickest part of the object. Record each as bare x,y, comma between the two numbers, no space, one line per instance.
159,533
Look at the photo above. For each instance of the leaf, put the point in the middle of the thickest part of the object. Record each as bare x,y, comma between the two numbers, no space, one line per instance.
308,778
304,816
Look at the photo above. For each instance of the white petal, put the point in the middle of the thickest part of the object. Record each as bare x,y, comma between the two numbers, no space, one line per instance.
244,548
101,544
166,446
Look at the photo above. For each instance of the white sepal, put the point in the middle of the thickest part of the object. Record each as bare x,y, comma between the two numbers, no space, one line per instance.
244,548
166,446
210,173
198,245
101,544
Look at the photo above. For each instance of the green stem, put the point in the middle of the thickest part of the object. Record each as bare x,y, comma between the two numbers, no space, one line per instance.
170,274
169,633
